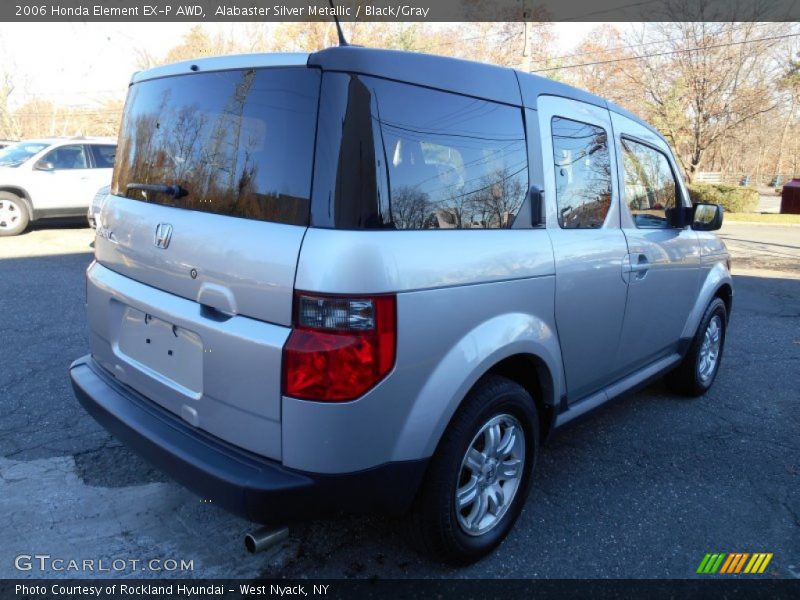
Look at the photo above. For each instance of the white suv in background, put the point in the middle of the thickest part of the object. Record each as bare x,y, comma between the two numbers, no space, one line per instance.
51,177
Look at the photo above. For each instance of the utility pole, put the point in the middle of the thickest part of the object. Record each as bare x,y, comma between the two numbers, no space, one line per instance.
527,54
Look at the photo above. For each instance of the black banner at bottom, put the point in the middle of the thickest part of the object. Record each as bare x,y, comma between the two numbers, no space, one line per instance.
387,589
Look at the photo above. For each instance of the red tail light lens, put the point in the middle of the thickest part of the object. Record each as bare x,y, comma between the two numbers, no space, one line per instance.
340,347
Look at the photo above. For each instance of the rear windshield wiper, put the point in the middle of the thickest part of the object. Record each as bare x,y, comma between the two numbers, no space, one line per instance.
174,190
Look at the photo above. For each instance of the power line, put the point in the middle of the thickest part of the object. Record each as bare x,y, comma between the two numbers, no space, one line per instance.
608,10
60,112
668,52
461,40
631,46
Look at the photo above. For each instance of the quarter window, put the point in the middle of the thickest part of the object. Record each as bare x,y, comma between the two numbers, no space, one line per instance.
650,188
406,157
583,173
453,162
103,156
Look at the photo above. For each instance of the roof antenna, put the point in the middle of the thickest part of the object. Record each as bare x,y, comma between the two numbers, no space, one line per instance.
342,40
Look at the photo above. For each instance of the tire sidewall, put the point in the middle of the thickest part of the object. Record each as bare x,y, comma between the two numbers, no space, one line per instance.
24,214
520,406
716,308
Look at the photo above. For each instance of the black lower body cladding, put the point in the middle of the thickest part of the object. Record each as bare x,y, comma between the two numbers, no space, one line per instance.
252,487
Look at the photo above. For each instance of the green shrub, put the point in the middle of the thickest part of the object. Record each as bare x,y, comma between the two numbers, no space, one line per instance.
731,198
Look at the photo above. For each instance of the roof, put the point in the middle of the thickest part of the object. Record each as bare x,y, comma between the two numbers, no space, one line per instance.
481,80
78,138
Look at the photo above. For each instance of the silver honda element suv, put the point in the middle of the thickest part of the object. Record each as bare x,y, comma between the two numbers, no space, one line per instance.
363,280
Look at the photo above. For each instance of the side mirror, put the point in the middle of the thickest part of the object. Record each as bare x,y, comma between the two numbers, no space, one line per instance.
706,217
680,216
537,200
44,165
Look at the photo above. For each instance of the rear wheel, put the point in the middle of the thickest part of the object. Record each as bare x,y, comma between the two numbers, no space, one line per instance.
478,479
695,375
14,215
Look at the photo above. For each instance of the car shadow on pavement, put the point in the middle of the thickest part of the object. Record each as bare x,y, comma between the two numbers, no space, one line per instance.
64,223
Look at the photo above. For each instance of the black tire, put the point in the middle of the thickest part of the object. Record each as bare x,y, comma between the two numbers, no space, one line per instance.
686,379
435,522
14,216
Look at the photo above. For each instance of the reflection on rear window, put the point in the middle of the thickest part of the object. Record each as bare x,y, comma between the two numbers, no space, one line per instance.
240,142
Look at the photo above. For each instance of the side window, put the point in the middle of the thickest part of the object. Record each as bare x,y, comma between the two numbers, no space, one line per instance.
453,162
68,157
391,155
650,188
583,173
103,156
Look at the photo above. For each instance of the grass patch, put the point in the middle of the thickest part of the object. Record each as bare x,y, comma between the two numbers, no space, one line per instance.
773,218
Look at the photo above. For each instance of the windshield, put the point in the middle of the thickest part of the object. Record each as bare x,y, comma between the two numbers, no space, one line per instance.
237,143
16,154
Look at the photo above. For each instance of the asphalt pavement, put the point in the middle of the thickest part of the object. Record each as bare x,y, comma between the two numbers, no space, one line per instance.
644,487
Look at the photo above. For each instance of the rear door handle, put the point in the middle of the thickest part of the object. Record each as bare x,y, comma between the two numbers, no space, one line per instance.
634,267
642,263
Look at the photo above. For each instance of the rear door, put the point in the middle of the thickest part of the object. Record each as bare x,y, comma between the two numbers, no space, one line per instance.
589,246
190,303
62,189
662,264
210,196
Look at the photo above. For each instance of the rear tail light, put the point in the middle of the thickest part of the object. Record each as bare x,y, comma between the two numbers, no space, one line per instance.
340,346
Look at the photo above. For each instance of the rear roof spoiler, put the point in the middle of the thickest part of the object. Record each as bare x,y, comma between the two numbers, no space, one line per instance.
224,63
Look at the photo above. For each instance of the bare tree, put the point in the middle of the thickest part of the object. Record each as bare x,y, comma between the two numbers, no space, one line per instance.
8,128
703,81
789,84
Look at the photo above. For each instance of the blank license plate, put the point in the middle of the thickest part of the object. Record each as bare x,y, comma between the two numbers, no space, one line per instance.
163,350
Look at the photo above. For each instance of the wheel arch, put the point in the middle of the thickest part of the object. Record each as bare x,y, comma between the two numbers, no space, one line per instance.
532,373
519,346
717,283
725,293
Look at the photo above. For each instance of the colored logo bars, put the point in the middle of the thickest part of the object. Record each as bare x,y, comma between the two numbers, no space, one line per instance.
735,562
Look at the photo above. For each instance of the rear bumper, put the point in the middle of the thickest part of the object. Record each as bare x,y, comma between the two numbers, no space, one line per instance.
253,487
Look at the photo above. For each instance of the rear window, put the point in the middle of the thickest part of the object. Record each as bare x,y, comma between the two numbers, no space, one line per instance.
237,143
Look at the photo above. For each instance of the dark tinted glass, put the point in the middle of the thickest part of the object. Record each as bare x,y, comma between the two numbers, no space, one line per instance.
650,188
67,157
103,156
239,142
583,173
399,156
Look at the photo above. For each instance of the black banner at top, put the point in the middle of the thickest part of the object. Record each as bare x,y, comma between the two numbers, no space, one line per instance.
398,10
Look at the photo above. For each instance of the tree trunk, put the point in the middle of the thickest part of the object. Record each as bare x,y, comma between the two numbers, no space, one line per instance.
781,145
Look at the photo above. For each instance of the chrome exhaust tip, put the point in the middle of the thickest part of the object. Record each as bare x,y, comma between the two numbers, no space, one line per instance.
265,538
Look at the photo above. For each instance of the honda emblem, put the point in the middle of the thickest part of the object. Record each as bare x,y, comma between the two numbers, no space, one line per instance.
163,235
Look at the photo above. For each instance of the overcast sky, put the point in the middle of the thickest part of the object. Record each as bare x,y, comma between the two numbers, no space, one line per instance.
83,63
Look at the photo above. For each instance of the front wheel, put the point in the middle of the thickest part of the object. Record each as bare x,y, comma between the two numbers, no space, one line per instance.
14,215
698,370
478,479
